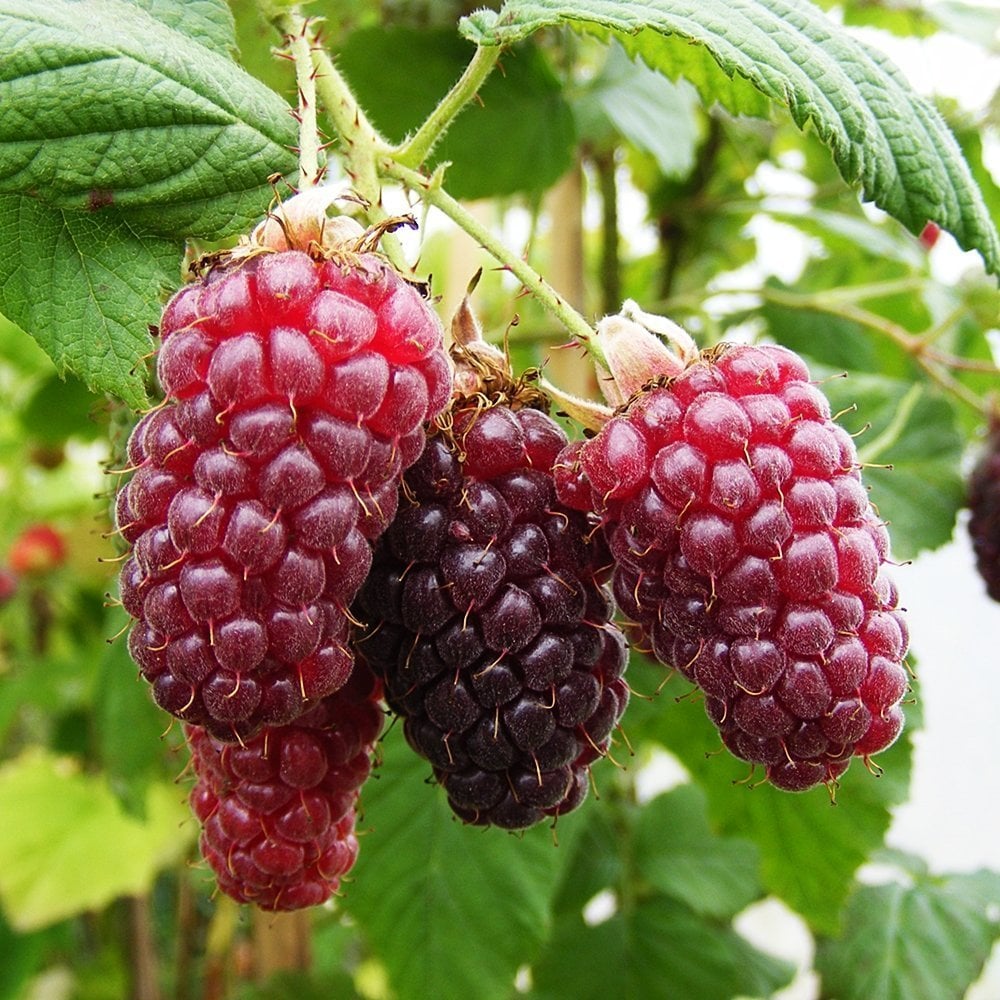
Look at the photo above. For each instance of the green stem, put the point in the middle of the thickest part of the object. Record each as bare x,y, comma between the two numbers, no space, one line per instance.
299,45
431,192
414,150
361,146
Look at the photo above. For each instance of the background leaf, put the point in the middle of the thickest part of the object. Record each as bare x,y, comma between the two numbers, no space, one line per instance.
656,115
517,137
925,941
882,134
809,848
655,947
59,822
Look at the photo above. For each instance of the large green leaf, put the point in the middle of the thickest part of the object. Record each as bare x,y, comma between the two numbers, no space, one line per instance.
518,136
67,847
680,856
207,21
809,848
670,887
107,104
925,941
883,136
86,287
458,908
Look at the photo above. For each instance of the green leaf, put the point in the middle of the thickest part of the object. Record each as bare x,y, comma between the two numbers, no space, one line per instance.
459,908
656,947
925,941
681,857
519,135
111,105
67,847
809,848
22,954
86,287
59,409
656,115
884,136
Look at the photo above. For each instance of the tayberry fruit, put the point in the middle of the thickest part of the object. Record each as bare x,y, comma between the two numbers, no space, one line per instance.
297,385
984,511
488,621
278,812
749,556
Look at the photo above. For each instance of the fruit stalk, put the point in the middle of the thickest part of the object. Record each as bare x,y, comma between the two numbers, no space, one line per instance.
299,45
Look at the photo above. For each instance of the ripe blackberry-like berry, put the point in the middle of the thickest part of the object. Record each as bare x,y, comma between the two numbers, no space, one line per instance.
278,812
297,385
984,511
749,555
489,624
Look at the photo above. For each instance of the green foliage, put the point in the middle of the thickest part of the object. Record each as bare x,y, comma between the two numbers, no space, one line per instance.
809,848
103,280
519,137
883,137
67,822
133,128
443,883
925,939
116,106
655,115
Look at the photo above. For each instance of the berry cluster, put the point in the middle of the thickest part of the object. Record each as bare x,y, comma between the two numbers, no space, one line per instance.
748,554
316,452
278,812
489,624
296,393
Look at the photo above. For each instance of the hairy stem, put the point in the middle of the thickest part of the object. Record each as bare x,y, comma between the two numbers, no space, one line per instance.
431,192
414,150
298,47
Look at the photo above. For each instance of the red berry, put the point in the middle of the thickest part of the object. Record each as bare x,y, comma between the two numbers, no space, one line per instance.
39,548
296,390
8,585
277,812
489,625
748,556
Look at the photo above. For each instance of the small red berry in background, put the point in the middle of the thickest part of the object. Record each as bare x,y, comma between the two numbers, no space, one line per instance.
8,585
929,235
38,549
